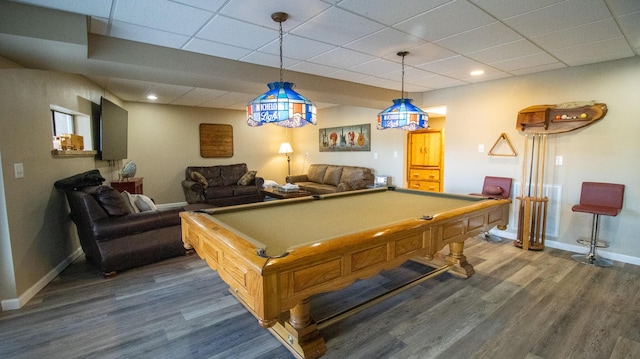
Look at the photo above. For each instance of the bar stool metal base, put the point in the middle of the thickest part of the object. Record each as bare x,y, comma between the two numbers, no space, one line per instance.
592,260
587,243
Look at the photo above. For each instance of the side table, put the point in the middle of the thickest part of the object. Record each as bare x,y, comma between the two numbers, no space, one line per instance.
132,185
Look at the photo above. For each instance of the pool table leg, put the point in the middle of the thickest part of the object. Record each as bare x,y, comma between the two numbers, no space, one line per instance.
461,268
299,333
456,259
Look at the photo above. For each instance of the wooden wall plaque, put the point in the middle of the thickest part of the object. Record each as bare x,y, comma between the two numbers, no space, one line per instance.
216,140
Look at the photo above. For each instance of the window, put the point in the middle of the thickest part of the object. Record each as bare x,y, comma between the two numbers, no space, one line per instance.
65,122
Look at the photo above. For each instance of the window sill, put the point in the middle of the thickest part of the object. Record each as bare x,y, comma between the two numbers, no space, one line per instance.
73,153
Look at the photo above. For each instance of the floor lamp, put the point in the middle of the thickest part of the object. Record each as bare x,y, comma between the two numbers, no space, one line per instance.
285,148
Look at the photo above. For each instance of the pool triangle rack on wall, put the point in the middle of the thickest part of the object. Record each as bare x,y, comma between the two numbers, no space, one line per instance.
504,137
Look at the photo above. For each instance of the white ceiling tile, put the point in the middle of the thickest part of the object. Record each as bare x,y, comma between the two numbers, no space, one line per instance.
439,23
622,7
259,11
314,69
385,42
260,58
503,9
234,32
487,77
584,54
163,15
479,38
383,83
389,12
440,81
127,31
337,27
209,5
542,68
511,50
524,62
216,49
630,25
167,93
591,32
231,99
423,54
341,58
564,15
376,67
296,47
100,8
197,97
345,75
451,65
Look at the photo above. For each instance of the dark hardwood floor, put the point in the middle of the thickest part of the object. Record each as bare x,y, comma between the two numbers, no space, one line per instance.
517,305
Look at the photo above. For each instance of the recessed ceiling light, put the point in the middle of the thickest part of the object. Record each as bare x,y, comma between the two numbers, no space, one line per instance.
477,72
152,97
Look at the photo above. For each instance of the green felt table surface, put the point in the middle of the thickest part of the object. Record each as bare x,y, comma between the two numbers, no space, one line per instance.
281,225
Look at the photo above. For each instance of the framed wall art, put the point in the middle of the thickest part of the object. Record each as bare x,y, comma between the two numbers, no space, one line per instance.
216,140
345,138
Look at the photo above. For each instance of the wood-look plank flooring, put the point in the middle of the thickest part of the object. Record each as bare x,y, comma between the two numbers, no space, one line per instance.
518,305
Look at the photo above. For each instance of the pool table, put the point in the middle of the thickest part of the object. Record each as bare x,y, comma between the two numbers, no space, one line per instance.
276,255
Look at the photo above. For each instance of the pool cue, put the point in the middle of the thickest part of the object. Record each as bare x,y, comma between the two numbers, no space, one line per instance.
526,231
519,235
542,216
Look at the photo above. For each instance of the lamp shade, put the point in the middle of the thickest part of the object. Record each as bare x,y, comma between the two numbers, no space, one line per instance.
403,115
285,147
282,106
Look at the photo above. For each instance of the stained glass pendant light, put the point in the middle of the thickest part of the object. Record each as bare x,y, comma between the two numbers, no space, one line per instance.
403,114
281,105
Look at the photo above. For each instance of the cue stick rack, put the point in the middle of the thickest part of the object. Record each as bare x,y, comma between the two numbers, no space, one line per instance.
532,216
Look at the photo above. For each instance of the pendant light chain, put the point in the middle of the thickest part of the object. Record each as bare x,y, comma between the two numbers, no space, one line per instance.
402,94
280,51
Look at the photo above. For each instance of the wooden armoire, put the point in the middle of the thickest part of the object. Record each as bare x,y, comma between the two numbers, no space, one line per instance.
425,149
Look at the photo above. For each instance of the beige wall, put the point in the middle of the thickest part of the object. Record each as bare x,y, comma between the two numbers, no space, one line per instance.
37,235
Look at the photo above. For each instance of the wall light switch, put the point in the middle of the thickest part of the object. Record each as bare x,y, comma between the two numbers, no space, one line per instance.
480,148
559,160
18,169
395,154
375,155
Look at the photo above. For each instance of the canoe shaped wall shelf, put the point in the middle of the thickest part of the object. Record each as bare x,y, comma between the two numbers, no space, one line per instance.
503,137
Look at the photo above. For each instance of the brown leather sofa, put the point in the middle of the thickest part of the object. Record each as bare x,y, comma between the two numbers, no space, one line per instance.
223,185
324,178
114,238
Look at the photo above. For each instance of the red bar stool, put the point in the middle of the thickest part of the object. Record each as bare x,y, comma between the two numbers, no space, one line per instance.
598,199
496,188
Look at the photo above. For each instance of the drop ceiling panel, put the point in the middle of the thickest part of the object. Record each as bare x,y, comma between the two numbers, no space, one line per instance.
216,49
337,27
342,58
479,38
100,8
163,15
389,12
504,9
579,35
524,62
296,47
137,33
197,97
561,16
447,20
385,42
584,54
238,33
511,50
259,11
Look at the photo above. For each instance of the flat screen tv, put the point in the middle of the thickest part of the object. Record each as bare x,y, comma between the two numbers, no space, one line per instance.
113,127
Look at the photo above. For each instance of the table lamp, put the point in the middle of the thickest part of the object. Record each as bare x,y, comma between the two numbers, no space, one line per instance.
285,148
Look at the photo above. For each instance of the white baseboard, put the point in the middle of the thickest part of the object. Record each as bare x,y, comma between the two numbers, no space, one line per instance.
17,303
171,205
575,248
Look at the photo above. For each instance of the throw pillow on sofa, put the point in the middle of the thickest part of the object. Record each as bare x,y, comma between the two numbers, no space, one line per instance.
247,178
130,201
111,201
145,203
200,178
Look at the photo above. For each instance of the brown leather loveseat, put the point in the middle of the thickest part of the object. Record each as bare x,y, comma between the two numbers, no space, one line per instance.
324,178
222,185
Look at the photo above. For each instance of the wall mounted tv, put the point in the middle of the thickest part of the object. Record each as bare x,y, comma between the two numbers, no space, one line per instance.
113,127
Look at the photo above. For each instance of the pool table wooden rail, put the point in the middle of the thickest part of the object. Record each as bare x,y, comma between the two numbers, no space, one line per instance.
277,290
